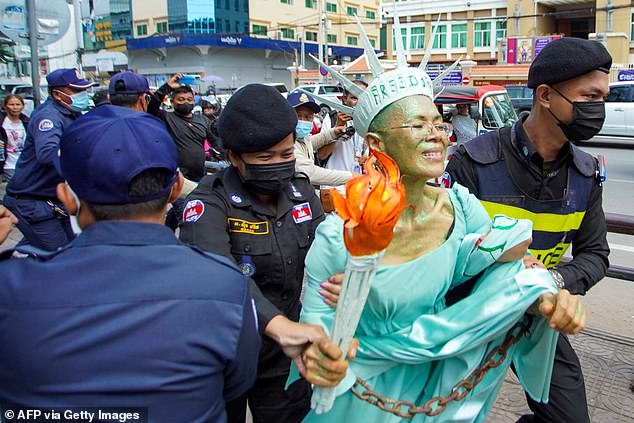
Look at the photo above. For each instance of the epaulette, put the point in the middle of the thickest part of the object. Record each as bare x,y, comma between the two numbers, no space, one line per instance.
585,163
485,149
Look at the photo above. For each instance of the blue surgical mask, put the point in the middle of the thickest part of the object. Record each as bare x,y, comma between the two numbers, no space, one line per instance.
303,128
79,101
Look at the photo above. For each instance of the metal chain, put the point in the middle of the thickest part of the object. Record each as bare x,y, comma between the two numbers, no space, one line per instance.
460,390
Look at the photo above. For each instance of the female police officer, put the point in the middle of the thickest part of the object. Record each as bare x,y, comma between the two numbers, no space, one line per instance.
262,215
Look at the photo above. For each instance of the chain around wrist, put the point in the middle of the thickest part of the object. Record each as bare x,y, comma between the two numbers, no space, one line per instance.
559,280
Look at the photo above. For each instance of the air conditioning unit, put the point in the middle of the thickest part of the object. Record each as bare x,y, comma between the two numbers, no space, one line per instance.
278,35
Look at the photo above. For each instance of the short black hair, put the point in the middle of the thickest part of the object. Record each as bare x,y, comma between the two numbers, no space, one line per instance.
147,182
183,89
124,100
100,97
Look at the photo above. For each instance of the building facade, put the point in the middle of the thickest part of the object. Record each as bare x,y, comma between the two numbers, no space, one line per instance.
149,18
234,42
300,19
499,39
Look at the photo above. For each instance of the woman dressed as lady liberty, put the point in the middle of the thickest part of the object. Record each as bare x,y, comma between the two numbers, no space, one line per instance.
412,346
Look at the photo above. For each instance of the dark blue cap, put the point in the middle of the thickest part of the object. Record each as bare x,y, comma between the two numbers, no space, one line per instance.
298,98
103,150
132,83
68,77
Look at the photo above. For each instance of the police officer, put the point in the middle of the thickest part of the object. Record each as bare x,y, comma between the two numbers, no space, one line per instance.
263,216
31,193
131,90
101,322
533,170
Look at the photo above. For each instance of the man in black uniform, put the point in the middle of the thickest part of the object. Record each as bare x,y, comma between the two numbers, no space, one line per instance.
189,132
533,171
263,216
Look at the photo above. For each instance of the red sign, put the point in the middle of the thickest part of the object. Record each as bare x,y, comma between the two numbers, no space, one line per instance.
466,80
323,71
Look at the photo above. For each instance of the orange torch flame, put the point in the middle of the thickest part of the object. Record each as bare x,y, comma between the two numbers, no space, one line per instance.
372,205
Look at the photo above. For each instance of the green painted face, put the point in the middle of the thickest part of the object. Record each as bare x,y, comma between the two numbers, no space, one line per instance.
410,138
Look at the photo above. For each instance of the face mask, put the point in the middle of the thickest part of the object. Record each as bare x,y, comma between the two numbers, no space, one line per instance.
268,179
303,128
587,119
74,222
79,101
184,109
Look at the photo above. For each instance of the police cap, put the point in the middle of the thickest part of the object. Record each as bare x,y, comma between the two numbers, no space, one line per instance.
255,118
567,58
130,83
102,151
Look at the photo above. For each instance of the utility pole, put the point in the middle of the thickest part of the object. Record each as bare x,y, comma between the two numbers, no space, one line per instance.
326,28
302,59
320,37
78,33
35,60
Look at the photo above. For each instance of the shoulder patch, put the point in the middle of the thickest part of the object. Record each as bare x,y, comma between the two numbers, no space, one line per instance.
445,180
302,213
194,209
45,125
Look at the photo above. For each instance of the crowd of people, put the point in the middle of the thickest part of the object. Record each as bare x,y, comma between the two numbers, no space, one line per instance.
102,305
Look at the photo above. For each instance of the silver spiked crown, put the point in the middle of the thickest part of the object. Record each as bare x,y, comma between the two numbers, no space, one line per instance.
387,86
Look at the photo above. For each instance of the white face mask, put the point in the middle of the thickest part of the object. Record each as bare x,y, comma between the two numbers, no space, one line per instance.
74,223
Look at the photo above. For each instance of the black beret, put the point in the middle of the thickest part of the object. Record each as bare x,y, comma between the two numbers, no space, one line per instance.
255,118
567,58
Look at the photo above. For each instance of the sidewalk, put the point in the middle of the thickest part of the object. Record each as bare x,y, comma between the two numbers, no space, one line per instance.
608,366
607,360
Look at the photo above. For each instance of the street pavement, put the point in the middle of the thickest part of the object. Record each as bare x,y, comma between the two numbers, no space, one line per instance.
606,348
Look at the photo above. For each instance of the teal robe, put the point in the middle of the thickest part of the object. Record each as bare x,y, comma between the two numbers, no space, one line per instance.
412,346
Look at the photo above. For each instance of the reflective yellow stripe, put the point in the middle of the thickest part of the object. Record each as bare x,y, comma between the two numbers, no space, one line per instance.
552,256
547,222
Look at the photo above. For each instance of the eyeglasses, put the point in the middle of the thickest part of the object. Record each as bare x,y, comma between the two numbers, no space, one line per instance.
425,129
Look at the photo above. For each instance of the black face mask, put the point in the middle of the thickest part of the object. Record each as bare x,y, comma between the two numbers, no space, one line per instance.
268,179
183,109
587,119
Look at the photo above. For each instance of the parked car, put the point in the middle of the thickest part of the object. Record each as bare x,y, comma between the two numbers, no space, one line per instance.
521,97
279,86
328,91
619,110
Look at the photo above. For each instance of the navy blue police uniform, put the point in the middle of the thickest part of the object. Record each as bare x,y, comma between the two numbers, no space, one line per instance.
116,330
31,193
